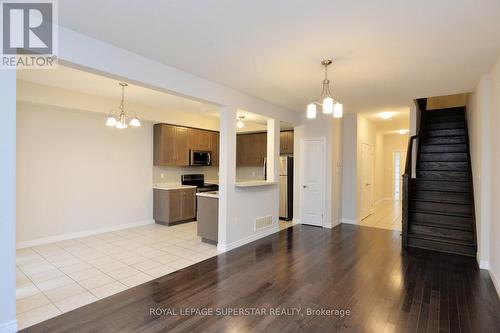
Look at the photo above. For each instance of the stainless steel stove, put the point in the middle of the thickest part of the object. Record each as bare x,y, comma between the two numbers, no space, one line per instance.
198,180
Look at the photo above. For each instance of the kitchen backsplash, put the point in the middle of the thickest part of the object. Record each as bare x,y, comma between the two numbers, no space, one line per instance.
173,174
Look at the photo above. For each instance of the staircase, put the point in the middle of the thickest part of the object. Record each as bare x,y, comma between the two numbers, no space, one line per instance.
438,208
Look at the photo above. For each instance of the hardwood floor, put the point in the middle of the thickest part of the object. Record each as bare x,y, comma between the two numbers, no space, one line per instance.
359,269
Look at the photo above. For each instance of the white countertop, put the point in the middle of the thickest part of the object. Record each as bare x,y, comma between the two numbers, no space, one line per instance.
211,194
254,183
171,186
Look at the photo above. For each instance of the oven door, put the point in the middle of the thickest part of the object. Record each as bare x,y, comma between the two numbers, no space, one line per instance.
200,157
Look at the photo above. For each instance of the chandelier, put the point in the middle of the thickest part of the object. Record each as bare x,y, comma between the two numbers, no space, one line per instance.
325,101
121,122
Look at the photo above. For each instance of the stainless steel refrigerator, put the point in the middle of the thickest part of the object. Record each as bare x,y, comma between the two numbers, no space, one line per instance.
286,188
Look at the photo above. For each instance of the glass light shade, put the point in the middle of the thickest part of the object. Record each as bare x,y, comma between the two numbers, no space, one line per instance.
135,122
311,111
337,110
111,121
328,105
121,125
240,124
386,115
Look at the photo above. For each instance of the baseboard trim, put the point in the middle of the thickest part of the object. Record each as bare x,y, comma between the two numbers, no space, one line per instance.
9,327
59,238
230,246
484,264
496,282
348,221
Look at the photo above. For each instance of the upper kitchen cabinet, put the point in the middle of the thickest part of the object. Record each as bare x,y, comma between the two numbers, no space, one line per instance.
251,149
200,139
286,143
170,145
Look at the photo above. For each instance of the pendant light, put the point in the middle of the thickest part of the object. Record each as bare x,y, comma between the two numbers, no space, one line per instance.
326,101
240,123
121,122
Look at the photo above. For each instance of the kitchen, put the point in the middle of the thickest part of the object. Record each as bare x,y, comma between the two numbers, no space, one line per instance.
194,197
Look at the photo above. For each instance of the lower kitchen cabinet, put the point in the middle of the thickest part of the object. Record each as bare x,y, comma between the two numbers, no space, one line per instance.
174,206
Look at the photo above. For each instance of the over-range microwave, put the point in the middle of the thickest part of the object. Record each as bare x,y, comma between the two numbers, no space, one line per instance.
200,157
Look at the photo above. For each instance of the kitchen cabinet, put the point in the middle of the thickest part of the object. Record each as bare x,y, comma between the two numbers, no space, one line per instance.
251,149
174,206
170,145
286,143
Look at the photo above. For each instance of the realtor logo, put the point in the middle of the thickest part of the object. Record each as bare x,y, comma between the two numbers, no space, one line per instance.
28,34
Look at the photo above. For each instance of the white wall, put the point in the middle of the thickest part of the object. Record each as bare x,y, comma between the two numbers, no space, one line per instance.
74,174
8,201
378,189
366,134
391,143
483,115
349,167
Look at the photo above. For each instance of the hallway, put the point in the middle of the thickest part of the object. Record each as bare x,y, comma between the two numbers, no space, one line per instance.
386,215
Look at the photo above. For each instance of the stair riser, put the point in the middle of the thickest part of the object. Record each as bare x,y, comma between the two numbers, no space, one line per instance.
444,175
446,132
442,247
456,197
444,140
448,157
444,166
441,220
450,234
443,148
434,119
446,125
429,185
442,208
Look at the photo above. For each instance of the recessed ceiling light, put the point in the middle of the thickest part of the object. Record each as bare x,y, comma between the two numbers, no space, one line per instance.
403,131
386,115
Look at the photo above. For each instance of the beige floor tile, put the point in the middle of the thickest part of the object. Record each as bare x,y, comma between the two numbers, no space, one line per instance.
136,280
124,254
133,260
36,268
37,315
75,268
165,259
180,263
59,294
123,273
47,275
84,274
113,266
31,302
74,302
161,270
26,290
54,283
108,289
145,265
96,281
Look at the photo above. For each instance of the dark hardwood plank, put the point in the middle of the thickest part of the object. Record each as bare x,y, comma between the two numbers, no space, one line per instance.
353,268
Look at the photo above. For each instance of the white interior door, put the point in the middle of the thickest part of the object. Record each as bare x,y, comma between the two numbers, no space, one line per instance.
398,164
366,180
312,181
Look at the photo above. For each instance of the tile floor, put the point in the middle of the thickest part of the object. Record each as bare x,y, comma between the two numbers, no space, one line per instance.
386,215
59,277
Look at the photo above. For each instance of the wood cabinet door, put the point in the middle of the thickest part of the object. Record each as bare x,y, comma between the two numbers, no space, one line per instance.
175,205
164,144
205,140
283,142
239,149
214,142
261,149
181,146
193,139
188,204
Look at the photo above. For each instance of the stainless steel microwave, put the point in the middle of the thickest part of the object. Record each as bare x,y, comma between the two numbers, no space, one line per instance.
200,157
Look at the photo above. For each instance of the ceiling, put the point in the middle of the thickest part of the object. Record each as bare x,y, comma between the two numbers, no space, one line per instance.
92,84
387,52
399,120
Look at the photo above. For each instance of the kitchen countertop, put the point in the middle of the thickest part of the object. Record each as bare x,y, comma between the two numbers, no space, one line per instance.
254,183
211,194
171,186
